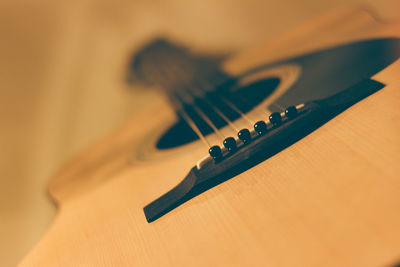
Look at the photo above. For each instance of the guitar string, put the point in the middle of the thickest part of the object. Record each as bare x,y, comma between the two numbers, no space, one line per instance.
245,101
192,124
205,89
198,110
260,113
184,64
188,90
220,79
187,64
218,111
179,107
177,68
208,121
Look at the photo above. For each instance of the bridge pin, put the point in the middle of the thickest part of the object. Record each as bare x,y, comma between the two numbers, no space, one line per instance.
260,127
215,152
244,135
230,144
275,118
291,112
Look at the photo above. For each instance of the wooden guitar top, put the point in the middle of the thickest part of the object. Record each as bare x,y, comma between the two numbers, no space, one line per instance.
331,199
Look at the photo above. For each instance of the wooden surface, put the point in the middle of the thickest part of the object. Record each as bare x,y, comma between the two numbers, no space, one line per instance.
62,87
332,199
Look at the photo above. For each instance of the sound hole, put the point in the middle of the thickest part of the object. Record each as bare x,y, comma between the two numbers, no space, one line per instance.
245,98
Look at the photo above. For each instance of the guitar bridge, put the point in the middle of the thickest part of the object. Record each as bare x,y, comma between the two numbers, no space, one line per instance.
209,173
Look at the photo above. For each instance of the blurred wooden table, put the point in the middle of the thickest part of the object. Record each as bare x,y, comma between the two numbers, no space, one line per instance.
62,73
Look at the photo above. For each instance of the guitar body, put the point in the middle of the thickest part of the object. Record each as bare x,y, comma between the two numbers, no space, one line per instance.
330,199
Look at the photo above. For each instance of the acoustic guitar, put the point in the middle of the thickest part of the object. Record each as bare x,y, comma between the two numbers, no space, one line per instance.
286,154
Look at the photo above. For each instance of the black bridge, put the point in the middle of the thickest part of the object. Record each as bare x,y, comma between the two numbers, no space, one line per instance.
309,117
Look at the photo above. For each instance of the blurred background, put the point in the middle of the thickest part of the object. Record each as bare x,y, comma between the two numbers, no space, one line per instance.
62,80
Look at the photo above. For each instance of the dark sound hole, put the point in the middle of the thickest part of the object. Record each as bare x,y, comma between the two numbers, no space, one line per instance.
244,98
